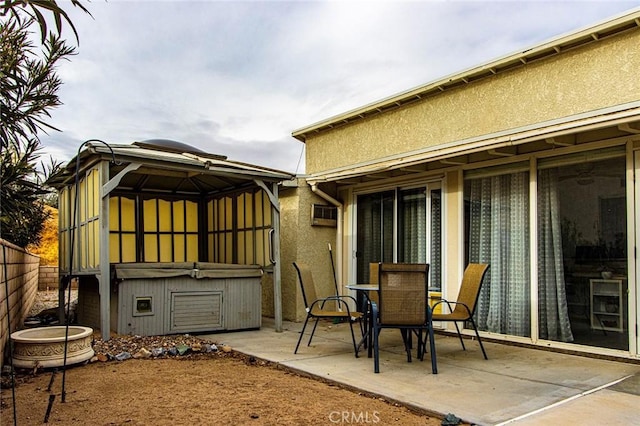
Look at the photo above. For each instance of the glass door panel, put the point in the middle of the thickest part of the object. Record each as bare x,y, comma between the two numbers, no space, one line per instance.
400,225
497,226
412,223
582,251
374,231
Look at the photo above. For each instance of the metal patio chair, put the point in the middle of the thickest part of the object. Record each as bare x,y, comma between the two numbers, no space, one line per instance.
317,308
403,304
464,307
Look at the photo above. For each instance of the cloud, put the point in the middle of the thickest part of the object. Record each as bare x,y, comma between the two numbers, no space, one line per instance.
236,78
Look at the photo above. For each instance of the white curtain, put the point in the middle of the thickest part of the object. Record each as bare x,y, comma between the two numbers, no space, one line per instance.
499,236
413,223
553,312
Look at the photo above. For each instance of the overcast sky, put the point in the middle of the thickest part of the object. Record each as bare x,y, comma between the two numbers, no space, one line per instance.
236,78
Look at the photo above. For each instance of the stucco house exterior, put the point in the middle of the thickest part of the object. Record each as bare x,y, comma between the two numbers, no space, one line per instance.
528,162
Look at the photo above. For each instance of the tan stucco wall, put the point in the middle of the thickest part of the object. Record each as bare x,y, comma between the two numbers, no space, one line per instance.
588,78
288,243
453,239
302,242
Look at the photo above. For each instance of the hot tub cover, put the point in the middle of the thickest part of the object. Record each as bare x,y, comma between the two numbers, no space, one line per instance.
197,270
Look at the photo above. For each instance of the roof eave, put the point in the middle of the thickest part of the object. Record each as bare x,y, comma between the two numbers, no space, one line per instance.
167,161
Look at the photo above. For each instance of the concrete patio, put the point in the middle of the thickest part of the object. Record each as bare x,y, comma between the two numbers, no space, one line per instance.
516,386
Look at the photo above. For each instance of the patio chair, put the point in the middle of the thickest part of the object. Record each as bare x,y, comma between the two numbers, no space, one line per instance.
338,308
402,303
464,307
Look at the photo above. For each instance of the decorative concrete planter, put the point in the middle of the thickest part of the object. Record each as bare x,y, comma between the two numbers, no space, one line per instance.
44,346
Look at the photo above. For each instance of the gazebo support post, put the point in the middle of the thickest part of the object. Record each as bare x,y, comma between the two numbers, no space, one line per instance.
275,255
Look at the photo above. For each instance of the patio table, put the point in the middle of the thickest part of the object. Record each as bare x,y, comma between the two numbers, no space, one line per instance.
367,338
365,290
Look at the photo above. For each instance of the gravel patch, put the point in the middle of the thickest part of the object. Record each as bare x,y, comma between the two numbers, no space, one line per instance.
49,300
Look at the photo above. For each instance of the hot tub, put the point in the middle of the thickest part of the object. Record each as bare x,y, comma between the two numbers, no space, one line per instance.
171,298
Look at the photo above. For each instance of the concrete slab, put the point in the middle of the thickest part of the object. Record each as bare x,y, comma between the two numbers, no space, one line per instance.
604,407
515,386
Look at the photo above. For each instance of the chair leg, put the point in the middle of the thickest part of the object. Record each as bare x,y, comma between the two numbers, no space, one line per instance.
473,323
432,347
369,328
408,342
363,328
313,331
374,332
301,334
423,344
353,339
459,335
376,351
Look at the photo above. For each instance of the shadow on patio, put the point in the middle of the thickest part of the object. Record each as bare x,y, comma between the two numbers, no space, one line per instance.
515,386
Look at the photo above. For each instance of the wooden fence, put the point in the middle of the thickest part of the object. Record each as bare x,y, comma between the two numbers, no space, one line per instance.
19,273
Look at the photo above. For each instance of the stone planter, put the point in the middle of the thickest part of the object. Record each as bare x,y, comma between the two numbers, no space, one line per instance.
44,346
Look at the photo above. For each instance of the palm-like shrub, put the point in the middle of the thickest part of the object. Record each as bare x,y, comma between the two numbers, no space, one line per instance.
28,91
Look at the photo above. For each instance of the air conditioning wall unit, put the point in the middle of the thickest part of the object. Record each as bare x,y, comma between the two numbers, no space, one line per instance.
324,215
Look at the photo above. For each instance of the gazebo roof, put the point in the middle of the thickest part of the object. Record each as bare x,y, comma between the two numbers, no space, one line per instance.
170,167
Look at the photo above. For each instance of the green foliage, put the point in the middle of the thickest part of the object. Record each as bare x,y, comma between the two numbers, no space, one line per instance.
36,9
22,212
29,83
28,91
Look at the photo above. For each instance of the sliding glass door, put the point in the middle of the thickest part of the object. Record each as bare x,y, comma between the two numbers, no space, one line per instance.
375,231
400,225
582,249
580,257
497,222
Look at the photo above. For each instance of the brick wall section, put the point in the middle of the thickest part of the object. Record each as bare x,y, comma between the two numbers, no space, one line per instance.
48,278
19,273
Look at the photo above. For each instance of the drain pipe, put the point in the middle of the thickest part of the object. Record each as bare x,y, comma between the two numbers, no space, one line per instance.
339,205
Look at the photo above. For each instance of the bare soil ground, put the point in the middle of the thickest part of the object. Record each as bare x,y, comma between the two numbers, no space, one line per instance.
209,389
199,388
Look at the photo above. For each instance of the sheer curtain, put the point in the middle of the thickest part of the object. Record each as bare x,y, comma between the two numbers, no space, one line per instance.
553,312
499,236
435,261
375,231
412,227
369,235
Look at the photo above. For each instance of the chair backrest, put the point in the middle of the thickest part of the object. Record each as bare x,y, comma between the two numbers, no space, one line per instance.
373,273
470,287
307,286
403,293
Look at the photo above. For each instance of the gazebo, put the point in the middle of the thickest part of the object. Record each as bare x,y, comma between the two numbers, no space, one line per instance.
164,238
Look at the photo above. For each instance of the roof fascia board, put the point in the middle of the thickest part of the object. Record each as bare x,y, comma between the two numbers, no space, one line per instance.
557,127
247,174
146,156
554,46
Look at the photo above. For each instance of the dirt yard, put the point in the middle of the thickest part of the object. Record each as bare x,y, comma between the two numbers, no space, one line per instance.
202,387
205,389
